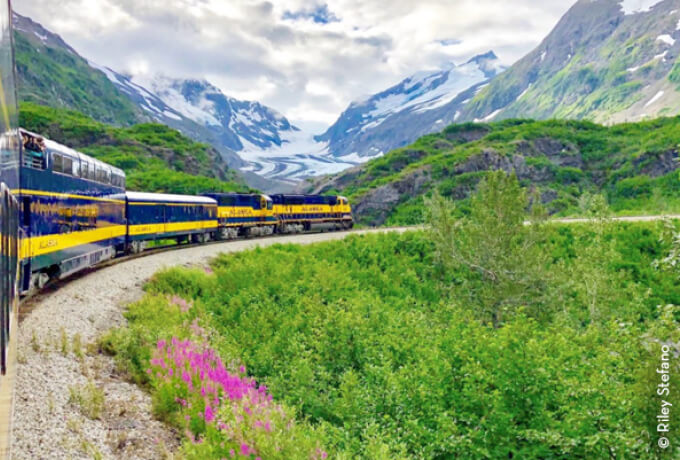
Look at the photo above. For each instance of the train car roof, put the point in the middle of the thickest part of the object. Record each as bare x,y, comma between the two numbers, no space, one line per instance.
168,198
59,148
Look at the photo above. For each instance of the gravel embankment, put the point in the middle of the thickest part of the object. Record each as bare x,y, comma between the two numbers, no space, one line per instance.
53,371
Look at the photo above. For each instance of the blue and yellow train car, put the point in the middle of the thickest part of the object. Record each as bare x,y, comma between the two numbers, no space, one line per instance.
72,210
156,216
244,214
298,213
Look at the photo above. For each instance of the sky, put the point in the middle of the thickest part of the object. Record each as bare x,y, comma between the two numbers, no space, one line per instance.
308,59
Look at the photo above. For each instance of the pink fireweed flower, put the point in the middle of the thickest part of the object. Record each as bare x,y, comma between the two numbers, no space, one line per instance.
208,271
220,389
209,414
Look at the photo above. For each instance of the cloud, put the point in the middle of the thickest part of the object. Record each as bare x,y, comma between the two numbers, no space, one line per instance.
305,58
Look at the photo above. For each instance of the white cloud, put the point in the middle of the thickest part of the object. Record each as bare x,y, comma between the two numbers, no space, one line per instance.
306,58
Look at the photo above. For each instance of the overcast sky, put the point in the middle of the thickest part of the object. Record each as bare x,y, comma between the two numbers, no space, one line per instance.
306,58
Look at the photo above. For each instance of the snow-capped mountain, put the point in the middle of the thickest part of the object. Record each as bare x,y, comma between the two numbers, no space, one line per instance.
266,142
423,103
239,124
608,61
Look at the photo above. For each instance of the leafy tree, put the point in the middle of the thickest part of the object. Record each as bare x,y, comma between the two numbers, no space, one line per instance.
497,256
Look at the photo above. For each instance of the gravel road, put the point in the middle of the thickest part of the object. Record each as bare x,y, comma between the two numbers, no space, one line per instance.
56,409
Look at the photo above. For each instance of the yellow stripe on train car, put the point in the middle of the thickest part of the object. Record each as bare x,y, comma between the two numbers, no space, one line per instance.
47,244
148,229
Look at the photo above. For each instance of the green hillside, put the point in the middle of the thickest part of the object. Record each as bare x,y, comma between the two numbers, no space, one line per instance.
156,158
634,165
57,77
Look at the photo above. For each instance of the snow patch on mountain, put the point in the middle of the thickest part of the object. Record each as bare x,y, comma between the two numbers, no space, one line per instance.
665,38
637,6
168,90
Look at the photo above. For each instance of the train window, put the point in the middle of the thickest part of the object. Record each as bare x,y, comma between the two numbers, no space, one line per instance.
57,162
83,169
270,205
68,165
107,176
101,175
91,172
76,168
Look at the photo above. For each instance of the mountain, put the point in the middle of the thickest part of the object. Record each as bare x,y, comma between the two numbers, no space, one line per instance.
606,60
635,165
52,73
423,103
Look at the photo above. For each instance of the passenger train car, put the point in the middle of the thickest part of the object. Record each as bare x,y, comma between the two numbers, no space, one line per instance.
72,211
155,216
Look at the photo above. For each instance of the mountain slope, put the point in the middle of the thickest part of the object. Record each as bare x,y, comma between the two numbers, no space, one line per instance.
423,103
606,60
635,165
52,73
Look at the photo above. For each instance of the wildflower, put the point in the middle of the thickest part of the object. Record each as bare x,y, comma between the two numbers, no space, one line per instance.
245,449
209,414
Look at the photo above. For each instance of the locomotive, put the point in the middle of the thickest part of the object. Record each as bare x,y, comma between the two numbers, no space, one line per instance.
75,213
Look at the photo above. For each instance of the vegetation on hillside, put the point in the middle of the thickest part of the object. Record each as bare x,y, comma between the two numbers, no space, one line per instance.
156,158
416,346
59,78
633,165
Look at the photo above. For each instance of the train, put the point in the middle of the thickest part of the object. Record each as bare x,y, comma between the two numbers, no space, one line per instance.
75,213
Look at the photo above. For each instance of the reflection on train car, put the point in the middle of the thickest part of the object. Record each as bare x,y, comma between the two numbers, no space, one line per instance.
155,216
72,211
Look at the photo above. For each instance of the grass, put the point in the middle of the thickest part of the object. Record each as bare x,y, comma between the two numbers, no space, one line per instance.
89,399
